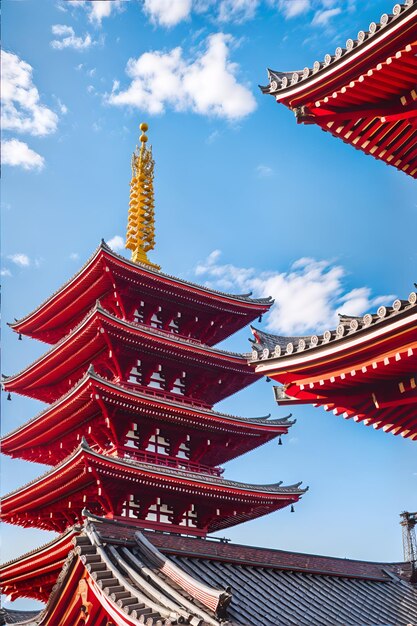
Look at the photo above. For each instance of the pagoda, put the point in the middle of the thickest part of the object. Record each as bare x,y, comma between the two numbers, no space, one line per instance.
130,380
364,370
364,92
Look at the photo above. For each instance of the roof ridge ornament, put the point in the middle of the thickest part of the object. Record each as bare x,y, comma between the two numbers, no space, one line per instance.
140,235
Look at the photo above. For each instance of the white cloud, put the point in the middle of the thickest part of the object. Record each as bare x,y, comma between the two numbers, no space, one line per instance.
19,258
116,243
5,272
293,8
237,10
21,108
17,153
74,256
69,39
97,9
206,85
166,12
264,171
307,297
322,18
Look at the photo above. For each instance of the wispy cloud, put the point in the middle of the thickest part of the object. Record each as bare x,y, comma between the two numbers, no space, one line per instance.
323,17
20,259
264,171
18,154
307,297
68,38
206,84
116,243
293,8
5,272
74,256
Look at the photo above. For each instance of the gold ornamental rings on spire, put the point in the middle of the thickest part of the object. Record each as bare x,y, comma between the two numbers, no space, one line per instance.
140,236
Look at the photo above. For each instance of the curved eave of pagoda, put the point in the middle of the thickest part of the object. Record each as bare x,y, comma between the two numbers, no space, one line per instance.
34,439
104,259
356,343
381,40
33,574
163,343
71,475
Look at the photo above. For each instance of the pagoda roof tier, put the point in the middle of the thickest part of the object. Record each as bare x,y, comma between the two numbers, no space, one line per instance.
364,93
55,500
122,284
365,369
113,345
33,575
102,411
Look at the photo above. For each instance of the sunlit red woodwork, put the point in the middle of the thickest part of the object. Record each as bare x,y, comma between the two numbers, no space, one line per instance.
113,416
365,93
133,352
365,369
34,574
133,293
153,494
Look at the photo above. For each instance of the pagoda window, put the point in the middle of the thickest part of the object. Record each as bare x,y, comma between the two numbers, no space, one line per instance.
132,437
157,379
158,444
160,512
135,375
131,507
156,319
184,450
178,386
189,518
139,313
174,325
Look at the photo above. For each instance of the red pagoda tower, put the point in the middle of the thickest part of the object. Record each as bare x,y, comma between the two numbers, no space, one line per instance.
130,379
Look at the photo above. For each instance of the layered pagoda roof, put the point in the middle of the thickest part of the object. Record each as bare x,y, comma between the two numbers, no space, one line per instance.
244,584
364,93
112,344
56,499
365,369
95,405
120,283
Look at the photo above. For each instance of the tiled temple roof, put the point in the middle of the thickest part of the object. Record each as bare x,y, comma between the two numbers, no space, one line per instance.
216,582
269,346
280,81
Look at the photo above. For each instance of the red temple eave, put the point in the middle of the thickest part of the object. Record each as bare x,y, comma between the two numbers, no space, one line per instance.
391,344
109,273
81,411
364,94
86,475
100,333
34,574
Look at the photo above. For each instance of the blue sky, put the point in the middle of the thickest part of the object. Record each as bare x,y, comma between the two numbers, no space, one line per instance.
245,199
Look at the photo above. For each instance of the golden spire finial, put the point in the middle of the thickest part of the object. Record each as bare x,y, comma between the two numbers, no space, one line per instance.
140,236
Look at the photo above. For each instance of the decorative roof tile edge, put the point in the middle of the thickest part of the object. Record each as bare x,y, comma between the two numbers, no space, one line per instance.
281,81
348,327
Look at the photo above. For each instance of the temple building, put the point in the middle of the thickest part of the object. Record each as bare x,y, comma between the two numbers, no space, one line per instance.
363,370
364,93
135,447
